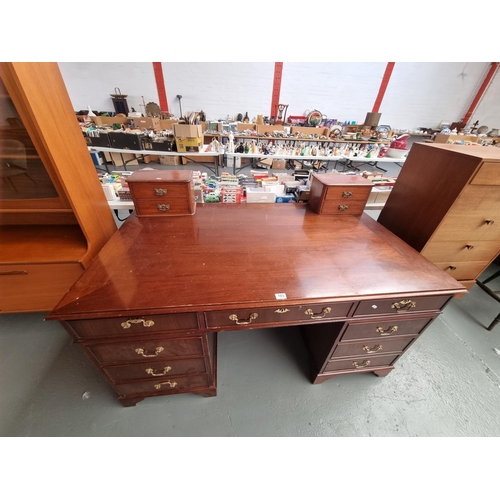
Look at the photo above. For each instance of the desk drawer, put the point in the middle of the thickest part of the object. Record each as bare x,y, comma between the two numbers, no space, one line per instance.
142,350
374,347
276,315
156,369
133,325
384,329
361,363
489,173
343,207
164,385
402,305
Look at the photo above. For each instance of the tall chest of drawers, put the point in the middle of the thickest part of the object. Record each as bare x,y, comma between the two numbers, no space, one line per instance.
446,205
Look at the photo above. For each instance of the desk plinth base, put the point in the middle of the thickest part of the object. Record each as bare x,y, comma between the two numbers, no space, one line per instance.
207,393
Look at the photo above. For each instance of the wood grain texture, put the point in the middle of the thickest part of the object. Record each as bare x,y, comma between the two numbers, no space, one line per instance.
242,256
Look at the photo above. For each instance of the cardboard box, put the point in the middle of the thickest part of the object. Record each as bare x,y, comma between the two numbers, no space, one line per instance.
144,123
109,120
170,160
189,145
260,195
444,138
285,198
311,130
184,131
246,126
167,124
279,164
123,159
150,158
262,129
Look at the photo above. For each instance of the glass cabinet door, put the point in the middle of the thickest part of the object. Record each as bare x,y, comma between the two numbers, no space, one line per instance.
22,173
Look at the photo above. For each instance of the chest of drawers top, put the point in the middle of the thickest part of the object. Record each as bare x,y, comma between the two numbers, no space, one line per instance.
229,258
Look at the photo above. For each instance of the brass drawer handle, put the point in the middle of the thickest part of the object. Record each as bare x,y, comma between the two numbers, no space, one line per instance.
489,222
157,351
324,312
403,305
151,372
376,348
364,364
163,208
252,316
342,208
347,194
452,268
145,322
389,331
12,273
171,384
282,310
469,247
160,192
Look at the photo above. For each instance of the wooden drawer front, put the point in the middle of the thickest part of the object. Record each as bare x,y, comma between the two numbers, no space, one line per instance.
35,287
277,315
162,191
133,325
146,350
385,329
403,305
163,385
156,369
488,173
371,348
463,270
176,206
343,207
361,363
474,215
344,194
463,250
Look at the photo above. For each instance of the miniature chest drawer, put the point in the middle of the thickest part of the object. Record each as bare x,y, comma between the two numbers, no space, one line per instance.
403,305
159,192
145,350
371,348
384,329
339,194
134,325
460,251
343,207
463,270
488,173
276,315
156,369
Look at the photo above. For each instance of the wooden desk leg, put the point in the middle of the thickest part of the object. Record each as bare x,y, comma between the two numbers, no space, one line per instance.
209,393
130,401
382,373
494,323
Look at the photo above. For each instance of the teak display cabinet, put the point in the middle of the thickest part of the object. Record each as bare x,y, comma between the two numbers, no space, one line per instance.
54,217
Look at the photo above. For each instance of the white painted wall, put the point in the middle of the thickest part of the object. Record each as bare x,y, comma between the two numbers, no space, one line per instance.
418,95
220,89
91,83
345,91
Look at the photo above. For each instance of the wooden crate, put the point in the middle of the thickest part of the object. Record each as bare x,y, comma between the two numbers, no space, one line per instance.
262,129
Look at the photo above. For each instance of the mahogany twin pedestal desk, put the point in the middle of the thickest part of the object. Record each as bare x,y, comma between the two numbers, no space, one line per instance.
148,309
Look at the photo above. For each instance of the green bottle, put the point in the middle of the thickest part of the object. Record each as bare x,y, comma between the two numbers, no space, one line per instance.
246,147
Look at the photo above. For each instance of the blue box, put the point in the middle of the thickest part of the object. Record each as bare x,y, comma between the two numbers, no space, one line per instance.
284,198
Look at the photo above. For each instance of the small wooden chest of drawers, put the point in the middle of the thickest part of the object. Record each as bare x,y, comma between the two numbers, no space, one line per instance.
337,194
160,192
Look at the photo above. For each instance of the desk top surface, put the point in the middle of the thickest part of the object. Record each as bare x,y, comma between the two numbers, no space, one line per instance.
243,255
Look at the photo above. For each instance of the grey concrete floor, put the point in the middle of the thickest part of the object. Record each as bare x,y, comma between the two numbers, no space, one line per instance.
447,384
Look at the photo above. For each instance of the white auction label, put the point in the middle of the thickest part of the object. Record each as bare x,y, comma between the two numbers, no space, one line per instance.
280,296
